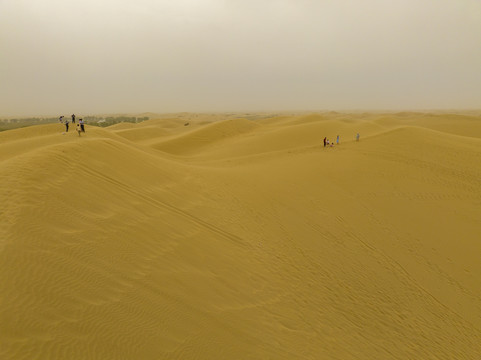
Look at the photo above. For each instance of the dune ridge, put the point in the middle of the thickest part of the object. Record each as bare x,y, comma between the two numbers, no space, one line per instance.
243,237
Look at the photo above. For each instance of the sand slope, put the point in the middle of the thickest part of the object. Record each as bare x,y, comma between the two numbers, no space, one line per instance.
238,238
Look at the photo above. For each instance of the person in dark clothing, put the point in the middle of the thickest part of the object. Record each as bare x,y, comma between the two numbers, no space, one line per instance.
73,118
325,139
66,124
81,122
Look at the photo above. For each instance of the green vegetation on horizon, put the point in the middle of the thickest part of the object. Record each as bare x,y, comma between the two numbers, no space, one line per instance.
9,124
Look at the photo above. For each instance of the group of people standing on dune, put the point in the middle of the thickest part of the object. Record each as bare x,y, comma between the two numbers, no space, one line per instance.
331,143
80,126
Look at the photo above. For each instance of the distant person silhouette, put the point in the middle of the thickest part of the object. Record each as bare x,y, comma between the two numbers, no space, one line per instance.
60,119
337,140
357,137
81,123
325,141
66,124
79,129
73,118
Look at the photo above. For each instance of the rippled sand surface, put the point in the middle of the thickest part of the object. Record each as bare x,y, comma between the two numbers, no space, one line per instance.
243,238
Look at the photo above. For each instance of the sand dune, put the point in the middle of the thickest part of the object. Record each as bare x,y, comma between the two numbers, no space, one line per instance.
243,238
143,133
122,126
207,136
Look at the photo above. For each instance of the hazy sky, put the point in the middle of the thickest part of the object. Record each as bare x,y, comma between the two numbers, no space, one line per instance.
95,56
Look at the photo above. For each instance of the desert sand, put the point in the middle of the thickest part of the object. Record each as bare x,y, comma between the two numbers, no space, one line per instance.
243,238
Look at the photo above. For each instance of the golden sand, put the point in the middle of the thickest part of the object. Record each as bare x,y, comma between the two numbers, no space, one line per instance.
243,239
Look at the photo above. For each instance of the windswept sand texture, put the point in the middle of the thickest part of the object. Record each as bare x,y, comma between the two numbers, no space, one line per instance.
241,237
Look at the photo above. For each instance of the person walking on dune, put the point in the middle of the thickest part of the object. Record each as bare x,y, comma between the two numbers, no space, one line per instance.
79,130
337,140
73,118
81,123
67,121
357,137
325,141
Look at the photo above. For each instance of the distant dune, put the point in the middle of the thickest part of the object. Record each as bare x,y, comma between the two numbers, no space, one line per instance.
243,237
